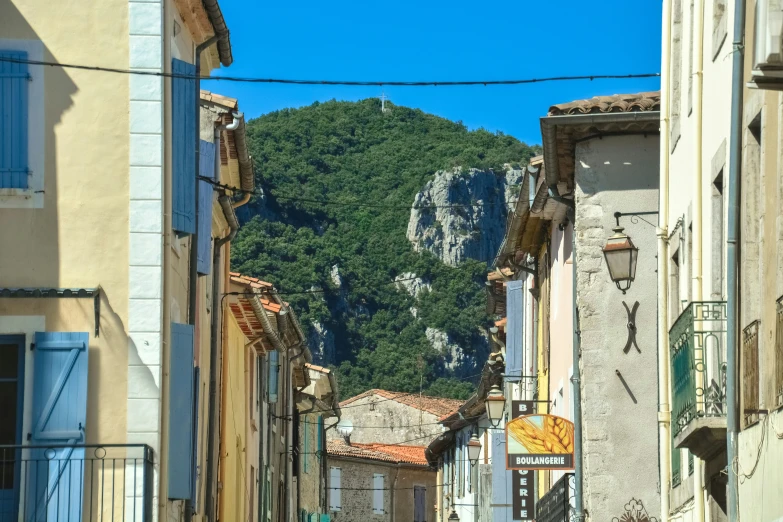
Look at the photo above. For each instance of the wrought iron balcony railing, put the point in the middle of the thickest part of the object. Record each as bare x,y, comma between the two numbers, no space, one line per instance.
557,504
84,483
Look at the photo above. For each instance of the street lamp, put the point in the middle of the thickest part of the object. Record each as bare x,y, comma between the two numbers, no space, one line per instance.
621,255
474,449
453,517
495,404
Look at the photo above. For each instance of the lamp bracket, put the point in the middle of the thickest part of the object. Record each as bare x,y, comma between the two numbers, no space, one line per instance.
635,216
631,325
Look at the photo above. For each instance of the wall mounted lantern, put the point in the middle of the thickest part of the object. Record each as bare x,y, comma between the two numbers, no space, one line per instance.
495,404
621,255
453,517
474,449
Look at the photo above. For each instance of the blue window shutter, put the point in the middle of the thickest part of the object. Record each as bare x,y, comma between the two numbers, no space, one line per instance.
14,85
501,480
59,417
206,166
196,405
181,426
515,312
320,434
183,134
306,444
274,365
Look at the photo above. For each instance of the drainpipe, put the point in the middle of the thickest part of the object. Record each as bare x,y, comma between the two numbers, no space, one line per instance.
579,515
735,161
696,268
664,411
211,490
193,279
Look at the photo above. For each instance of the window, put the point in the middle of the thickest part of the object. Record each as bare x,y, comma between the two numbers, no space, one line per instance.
779,355
21,124
750,373
377,494
335,498
419,504
674,286
305,444
676,72
719,16
718,223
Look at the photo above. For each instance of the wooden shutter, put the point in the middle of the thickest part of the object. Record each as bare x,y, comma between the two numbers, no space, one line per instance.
335,499
515,307
206,166
183,134
779,354
460,463
181,398
59,416
196,406
320,434
274,367
419,504
501,480
377,494
750,373
14,109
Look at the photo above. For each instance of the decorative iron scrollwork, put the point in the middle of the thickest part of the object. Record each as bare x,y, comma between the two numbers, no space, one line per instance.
631,327
635,512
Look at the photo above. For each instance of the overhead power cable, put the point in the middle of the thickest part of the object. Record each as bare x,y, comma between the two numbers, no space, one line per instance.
351,83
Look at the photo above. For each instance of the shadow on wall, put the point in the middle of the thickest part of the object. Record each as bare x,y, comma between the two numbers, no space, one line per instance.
622,170
32,253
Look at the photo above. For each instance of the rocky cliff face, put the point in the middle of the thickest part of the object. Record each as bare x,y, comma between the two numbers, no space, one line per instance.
461,214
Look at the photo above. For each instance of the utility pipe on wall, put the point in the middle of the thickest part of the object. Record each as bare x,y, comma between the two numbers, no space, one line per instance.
664,409
732,290
697,223
579,515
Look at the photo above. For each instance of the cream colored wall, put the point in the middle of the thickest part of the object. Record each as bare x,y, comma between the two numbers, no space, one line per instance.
760,449
80,236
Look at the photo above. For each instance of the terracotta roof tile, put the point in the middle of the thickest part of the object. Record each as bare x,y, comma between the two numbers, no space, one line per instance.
376,451
643,101
435,405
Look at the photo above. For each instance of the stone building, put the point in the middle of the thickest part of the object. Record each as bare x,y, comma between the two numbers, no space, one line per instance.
380,483
395,417
601,158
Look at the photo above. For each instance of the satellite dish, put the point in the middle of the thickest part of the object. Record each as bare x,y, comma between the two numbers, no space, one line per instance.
345,428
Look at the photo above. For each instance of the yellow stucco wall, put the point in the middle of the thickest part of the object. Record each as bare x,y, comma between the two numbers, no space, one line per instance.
233,503
80,236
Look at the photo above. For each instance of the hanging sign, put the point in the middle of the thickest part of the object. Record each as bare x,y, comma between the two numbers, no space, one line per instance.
540,442
522,408
523,497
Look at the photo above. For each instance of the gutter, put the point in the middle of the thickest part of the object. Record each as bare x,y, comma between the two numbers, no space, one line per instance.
221,31
549,126
735,162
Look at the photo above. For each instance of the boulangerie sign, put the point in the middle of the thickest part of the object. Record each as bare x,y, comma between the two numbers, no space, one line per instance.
523,497
540,442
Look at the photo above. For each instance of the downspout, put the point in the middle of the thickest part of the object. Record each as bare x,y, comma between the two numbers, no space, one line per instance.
732,290
579,515
211,490
664,412
193,277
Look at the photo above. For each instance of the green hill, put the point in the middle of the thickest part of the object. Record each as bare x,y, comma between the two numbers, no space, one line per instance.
339,179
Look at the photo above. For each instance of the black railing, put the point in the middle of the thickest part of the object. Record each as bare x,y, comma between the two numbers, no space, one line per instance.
67,483
556,504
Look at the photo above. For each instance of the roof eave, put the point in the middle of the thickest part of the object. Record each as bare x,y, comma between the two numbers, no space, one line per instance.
221,31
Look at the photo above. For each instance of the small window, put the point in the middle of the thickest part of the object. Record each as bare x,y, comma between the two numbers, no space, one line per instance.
377,494
750,373
335,497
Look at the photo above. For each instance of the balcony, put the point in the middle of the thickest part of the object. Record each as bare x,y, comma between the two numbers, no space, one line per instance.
697,343
557,504
76,483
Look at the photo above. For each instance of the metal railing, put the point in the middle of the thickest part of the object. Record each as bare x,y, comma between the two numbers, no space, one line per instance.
100,483
557,504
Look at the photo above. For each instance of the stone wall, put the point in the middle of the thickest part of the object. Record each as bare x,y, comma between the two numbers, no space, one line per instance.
619,390
395,422
357,483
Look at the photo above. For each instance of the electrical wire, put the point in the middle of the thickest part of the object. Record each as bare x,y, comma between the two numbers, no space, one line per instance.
351,83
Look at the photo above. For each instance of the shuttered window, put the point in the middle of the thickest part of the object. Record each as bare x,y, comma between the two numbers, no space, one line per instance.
515,306
305,445
183,134
501,480
419,504
274,367
335,497
779,354
460,463
14,110
377,494
181,402
320,434
206,167
750,373
59,416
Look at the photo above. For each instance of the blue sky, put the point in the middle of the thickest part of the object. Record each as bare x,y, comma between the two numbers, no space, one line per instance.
412,40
